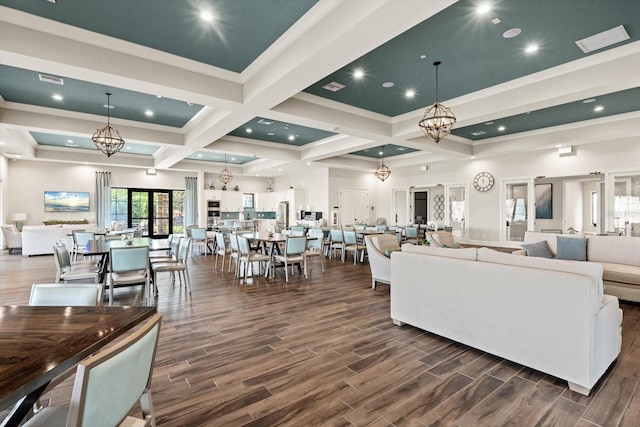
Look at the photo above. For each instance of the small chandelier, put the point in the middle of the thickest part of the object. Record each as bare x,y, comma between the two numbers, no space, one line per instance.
108,140
438,120
383,171
225,176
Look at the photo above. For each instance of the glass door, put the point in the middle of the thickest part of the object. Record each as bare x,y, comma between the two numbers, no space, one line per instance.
516,209
457,210
139,211
625,219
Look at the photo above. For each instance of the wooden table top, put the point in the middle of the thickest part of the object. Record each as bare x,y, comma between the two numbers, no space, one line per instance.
102,247
40,343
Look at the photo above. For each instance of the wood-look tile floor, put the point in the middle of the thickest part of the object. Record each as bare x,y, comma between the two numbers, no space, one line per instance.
323,351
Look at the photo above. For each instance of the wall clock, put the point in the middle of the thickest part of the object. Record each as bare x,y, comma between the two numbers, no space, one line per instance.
483,182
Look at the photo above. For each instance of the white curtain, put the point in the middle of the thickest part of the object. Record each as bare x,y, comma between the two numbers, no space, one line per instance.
103,199
191,202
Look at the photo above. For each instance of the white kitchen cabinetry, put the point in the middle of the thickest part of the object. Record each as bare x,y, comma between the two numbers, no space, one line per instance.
231,201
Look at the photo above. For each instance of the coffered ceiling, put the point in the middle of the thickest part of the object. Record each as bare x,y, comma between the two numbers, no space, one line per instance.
193,81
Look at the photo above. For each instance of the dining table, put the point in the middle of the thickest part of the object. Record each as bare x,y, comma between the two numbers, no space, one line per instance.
40,343
270,244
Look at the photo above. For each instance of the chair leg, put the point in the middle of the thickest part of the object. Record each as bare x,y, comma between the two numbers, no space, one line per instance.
286,272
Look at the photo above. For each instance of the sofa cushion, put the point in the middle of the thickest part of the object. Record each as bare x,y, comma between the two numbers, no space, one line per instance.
384,242
387,252
464,253
538,249
614,249
621,273
443,238
571,249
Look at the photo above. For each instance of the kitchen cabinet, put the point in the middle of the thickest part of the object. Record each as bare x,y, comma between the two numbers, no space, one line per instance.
231,201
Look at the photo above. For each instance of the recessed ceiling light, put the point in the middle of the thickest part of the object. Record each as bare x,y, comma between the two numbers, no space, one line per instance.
291,137
279,169
109,106
70,144
270,133
199,155
531,48
70,141
387,84
128,147
57,97
257,174
511,33
308,163
423,56
158,96
249,130
410,93
380,153
483,8
488,123
473,157
206,16
501,128
598,108
358,73
401,148
148,113
366,149
589,101
233,159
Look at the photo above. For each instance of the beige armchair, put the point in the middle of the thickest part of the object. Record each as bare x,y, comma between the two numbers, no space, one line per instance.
12,237
379,263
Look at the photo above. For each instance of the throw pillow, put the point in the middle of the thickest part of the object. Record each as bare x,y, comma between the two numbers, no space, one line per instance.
572,248
387,252
453,246
540,249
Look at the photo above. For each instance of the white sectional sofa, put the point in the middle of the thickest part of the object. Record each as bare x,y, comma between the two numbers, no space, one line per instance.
550,315
39,239
619,256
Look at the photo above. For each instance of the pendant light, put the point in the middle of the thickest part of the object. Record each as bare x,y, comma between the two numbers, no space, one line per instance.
383,171
225,176
438,120
107,139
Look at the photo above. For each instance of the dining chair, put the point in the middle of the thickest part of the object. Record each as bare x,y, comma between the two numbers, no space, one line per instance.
381,228
80,240
247,257
171,255
351,244
164,253
222,248
57,294
294,253
297,230
235,251
411,235
128,266
199,239
337,243
179,266
315,247
65,270
109,384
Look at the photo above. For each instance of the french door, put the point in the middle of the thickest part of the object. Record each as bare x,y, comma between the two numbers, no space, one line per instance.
151,212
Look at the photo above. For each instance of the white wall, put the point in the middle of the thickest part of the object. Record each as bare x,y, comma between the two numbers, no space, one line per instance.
341,178
315,183
28,180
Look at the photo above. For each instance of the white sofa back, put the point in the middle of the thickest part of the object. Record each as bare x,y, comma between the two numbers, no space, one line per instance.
554,321
39,239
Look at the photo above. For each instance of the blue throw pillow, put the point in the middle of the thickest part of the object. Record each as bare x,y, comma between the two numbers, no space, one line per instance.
572,248
387,252
540,249
452,246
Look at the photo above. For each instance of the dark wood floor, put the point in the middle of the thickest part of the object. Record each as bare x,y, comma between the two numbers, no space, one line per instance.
323,351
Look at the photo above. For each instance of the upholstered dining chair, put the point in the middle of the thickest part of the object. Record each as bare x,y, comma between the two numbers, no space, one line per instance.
315,247
199,239
57,294
411,235
294,253
80,239
337,243
351,244
222,248
66,270
235,251
128,266
179,266
248,257
109,384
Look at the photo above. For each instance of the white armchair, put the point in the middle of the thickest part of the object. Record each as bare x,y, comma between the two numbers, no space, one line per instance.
379,263
12,237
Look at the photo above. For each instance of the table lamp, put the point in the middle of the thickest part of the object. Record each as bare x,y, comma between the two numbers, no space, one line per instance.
19,218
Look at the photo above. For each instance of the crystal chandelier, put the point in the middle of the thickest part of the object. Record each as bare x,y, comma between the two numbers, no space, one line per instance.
108,140
225,176
383,171
438,120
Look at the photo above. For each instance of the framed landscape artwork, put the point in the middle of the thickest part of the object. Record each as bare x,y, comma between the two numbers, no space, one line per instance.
66,201
544,201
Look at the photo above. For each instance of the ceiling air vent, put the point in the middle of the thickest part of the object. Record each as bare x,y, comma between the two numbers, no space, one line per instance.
478,133
333,86
51,79
265,122
603,39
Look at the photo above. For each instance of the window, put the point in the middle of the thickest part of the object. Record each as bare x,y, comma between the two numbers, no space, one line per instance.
248,201
119,201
